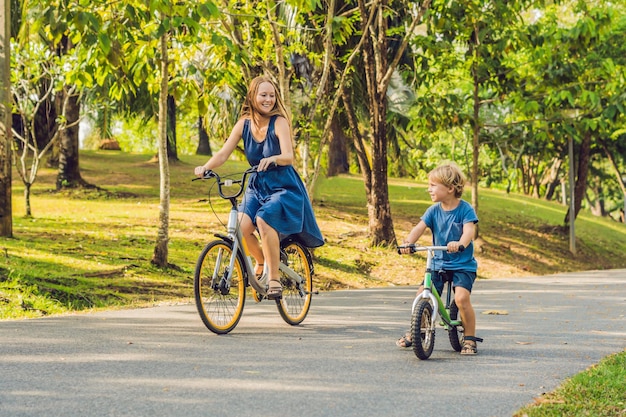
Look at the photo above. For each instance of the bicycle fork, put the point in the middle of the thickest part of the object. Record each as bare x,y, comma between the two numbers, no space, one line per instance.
434,301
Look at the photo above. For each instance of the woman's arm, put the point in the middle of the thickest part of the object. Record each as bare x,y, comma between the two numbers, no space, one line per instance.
227,149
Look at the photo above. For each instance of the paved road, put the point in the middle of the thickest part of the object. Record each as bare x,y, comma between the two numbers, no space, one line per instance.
341,361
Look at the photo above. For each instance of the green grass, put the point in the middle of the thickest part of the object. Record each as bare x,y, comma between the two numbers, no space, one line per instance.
599,391
91,249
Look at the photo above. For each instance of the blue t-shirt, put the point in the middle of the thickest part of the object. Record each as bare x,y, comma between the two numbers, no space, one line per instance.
447,226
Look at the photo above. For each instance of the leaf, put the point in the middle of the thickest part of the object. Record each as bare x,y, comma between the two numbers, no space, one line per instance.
105,43
208,10
496,312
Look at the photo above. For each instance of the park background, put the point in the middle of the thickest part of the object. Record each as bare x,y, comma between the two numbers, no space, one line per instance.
526,96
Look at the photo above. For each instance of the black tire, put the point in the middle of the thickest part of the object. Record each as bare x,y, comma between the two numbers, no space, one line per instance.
220,306
422,330
296,301
455,334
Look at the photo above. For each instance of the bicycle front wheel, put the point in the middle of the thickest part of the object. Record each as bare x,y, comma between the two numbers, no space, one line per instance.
422,329
296,300
220,293
455,333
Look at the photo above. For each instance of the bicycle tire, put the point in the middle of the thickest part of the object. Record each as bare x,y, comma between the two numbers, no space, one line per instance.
295,303
422,330
455,333
220,306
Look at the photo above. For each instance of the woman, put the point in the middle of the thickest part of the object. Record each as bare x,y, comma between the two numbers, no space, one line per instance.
276,201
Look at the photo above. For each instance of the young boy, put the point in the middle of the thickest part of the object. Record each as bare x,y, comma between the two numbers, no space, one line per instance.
452,223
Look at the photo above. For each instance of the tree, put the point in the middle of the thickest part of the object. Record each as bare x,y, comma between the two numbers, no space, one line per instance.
35,78
6,211
160,254
578,81
68,175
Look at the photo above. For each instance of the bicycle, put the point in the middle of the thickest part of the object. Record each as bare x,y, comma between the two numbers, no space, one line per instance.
424,314
224,270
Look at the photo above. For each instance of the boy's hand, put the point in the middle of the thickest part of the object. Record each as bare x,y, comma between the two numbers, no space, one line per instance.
455,247
406,250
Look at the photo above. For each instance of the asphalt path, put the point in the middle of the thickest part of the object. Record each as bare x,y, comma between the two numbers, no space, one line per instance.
341,361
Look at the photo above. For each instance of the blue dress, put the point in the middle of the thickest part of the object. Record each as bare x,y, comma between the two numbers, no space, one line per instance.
278,195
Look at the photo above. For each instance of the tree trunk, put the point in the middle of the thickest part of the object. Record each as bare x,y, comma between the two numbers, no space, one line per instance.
160,254
69,170
337,151
476,127
172,153
29,212
584,157
380,221
553,179
204,146
359,145
6,210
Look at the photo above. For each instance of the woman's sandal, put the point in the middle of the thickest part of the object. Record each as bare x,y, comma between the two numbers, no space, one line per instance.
468,347
274,290
404,341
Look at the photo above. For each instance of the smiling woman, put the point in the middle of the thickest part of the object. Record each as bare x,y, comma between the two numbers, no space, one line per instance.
276,202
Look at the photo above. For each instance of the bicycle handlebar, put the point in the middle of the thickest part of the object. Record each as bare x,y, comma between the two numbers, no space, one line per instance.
208,174
415,248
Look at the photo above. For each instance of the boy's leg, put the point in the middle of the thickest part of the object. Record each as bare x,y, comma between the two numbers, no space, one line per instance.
463,283
468,316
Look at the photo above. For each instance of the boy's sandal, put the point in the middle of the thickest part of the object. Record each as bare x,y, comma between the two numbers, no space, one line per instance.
470,348
404,341
274,290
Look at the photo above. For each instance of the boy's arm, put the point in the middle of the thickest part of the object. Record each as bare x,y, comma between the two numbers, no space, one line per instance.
469,229
415,233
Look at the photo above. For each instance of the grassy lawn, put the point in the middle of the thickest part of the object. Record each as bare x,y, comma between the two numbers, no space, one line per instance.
599,391
90,249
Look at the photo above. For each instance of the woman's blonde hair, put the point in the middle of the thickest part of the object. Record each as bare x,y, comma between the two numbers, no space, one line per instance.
449,175
249,109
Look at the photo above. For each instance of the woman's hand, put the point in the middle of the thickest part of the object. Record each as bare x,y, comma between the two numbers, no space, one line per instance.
199,171
267,163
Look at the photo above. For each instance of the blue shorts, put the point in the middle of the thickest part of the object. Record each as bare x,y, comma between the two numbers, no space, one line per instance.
463,279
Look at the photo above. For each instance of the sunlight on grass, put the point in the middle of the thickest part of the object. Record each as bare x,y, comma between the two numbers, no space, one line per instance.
600,391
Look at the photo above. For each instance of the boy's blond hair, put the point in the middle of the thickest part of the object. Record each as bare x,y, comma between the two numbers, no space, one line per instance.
449,175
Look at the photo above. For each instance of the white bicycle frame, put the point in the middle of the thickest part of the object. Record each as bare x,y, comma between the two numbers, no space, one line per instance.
236,237
427,292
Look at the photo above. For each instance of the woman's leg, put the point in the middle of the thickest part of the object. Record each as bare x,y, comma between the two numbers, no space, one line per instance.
271,253
254,247
271,247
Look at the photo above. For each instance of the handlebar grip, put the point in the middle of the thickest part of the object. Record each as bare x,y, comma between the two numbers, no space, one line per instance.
411,247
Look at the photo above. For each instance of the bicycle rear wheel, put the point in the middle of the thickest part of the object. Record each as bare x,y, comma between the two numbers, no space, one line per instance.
422,329
455,333
219,302
296,300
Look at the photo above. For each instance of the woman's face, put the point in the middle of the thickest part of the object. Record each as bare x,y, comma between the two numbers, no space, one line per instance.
265,98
